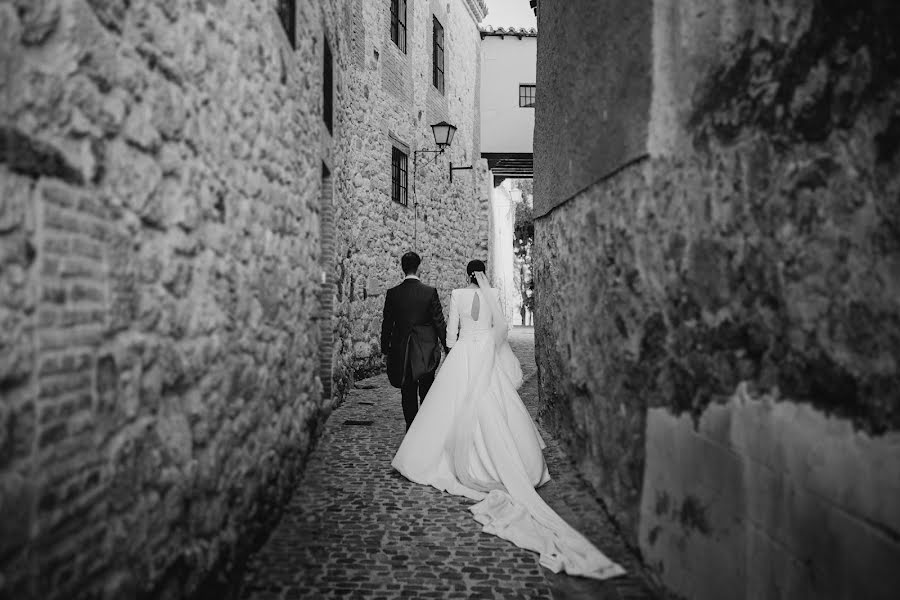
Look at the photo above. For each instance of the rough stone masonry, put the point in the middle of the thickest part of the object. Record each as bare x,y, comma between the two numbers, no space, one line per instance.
159,194
717,260
389,100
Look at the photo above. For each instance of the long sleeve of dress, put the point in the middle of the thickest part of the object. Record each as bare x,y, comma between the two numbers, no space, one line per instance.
452,321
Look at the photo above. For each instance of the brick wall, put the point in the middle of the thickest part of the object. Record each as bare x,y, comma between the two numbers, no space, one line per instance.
326,290
396,72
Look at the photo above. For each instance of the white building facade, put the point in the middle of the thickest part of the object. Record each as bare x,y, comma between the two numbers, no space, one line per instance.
508,91
508,65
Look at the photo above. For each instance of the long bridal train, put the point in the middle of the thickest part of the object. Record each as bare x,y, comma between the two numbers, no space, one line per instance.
473,437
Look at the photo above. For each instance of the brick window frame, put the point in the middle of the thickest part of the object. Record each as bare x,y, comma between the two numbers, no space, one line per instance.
398,24
437,54
326,289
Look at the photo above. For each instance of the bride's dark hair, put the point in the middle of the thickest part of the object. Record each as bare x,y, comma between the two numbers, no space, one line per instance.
473,267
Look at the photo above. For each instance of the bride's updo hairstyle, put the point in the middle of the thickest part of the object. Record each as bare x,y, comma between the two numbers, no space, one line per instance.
473,267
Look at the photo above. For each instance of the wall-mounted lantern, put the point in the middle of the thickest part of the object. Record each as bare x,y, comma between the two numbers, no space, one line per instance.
443,137
443,134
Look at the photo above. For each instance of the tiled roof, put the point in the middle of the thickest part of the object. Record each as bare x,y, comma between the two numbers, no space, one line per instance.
517,31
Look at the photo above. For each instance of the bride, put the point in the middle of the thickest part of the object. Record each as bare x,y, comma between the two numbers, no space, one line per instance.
473,437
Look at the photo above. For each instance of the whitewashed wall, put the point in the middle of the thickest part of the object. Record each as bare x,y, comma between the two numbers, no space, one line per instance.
506,62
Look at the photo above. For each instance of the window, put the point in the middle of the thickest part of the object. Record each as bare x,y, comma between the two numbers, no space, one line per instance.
526,96
437,75
398,23
287,12
328,89
398,176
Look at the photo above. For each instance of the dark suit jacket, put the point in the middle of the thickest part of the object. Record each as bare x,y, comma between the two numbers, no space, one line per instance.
412,326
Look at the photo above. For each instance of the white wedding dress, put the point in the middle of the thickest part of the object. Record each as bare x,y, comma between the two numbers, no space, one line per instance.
473,437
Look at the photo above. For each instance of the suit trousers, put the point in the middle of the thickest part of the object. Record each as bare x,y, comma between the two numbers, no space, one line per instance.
410,393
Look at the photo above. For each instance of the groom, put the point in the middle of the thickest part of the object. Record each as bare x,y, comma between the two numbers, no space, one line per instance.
412,326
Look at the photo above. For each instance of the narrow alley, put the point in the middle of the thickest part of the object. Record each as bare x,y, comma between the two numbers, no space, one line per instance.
226,225
356,528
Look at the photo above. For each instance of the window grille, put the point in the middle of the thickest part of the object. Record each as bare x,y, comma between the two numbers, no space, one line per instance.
399,162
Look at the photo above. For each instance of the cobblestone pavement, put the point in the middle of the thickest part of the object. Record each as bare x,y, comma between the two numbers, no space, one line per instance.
355,528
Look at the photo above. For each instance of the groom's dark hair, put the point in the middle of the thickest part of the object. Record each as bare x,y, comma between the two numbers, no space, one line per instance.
410,262
472,267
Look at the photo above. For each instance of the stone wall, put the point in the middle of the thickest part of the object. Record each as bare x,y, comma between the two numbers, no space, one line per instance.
160,171
612,95
390,101
717,325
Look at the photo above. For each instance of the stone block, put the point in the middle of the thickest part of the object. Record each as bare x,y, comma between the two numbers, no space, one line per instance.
17,498
139,128
132,178
56,245
70,159
15,194
169,111
18,357
87,293
111,13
